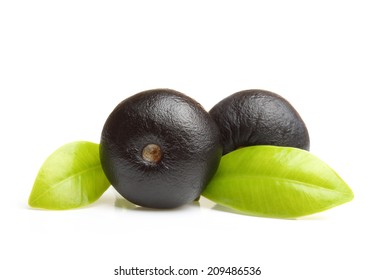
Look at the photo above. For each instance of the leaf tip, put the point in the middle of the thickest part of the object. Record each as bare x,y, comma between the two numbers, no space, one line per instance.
349,195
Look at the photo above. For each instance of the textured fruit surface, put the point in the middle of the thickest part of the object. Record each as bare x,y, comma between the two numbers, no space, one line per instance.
159,148
259,117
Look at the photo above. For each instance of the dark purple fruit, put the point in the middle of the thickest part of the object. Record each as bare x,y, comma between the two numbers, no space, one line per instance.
259,117
159,148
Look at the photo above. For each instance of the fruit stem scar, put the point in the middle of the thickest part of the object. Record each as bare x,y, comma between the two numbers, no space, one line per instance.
152,153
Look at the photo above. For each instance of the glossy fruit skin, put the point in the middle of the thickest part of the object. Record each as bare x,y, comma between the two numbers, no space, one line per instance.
259,117
189,155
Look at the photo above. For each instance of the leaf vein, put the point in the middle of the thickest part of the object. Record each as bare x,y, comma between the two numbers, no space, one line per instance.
54,186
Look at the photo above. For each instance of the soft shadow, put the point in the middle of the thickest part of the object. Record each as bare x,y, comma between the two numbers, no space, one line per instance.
313,217
222,208
122,203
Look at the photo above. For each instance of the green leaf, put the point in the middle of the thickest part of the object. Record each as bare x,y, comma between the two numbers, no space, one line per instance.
279,182
71,177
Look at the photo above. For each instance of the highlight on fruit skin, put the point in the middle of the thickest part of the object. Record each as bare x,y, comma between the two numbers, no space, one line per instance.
159,148
259,117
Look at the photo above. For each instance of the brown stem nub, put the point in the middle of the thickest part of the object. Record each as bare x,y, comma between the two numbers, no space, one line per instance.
152,153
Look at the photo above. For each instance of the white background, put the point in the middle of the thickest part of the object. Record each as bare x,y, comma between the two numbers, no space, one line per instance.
64,65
